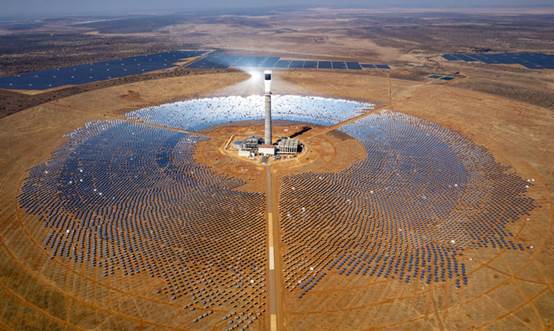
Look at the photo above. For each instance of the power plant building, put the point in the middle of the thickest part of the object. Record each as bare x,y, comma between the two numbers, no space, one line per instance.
253,145
288,146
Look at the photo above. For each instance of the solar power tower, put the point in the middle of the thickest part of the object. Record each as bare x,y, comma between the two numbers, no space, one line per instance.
267,83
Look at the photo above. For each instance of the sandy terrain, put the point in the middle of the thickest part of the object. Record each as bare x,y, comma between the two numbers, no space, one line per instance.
411,41
509,290
325,150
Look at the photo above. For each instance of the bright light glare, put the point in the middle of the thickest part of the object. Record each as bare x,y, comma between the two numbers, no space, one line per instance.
255,75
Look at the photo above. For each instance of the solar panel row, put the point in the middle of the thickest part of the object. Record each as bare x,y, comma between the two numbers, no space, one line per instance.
338,65
87,73
324,65
282,64
295,64
526,59
353,65
374,66
441,77
215,61
221,60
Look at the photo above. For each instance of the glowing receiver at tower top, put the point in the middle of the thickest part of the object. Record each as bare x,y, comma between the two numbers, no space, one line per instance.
267,81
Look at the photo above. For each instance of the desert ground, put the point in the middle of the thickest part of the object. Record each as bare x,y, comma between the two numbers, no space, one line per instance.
508,289
411,41
506,110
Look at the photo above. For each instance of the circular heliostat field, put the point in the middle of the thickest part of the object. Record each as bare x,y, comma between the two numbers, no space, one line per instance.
176,244
406,212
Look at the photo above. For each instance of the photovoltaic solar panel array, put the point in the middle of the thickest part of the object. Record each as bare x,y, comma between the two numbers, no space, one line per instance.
87,73
442,77
374,66
221,60
528,60
93,72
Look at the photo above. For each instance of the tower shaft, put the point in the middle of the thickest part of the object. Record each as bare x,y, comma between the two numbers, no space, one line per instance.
267,136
